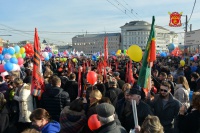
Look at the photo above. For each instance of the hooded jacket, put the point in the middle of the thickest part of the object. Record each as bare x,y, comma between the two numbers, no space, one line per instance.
54,100
72,121
51,127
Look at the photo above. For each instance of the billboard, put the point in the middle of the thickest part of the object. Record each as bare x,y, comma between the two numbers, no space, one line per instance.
192,38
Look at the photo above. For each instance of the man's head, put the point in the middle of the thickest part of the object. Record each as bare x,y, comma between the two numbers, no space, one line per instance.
105,112
116,75
163,76
194,76
72,76
135,94
165,89
112,82
56,81
155,73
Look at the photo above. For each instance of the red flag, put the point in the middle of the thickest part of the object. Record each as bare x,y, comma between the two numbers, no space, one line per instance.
152,52
79,82
105,51
37,84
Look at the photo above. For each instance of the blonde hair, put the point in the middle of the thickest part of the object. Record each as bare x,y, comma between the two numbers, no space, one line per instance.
182,80
18,81
151,124
126,86
96,94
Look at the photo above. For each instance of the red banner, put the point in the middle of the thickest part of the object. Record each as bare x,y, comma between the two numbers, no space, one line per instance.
37,84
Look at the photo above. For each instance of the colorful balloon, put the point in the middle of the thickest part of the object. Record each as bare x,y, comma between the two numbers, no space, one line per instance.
92,77
7,56
8,66
93,122
23,55
20,61
22,50
18,55
14,60
1,57
17,49
2,68
135,53
182,63
11,51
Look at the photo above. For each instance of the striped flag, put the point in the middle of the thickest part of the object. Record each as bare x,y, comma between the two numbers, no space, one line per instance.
148,58
37,84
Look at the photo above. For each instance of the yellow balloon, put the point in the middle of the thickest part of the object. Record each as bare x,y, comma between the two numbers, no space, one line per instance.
135,53
22,50
14,56
182,63
18,55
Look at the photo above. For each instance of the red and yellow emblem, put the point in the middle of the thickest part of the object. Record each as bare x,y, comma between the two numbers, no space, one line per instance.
175,19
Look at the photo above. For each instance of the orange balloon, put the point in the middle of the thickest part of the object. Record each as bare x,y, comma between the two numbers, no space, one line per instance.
93,122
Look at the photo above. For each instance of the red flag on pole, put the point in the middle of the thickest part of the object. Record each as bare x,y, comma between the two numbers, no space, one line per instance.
105,51
37,84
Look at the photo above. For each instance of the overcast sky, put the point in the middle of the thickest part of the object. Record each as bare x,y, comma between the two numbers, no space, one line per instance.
60,20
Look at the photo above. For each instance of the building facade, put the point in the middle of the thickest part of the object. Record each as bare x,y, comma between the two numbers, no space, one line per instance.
92,43
137,32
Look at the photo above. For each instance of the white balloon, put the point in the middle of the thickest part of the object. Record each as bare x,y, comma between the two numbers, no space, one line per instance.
16,67
45,54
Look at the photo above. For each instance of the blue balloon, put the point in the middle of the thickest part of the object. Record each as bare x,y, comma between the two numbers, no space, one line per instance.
50,55
191,58
14,60
163,54
8,66
46,59
4,51
113,53
1,57
171,46
17,49
11,51
94,58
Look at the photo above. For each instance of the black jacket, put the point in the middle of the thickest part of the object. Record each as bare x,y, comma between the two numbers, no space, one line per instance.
54,100
72,88
111,127
189,123
101,88
166,114
113,93
125,113
4,119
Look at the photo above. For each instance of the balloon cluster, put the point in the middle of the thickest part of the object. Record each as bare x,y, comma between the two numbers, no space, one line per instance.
29,50
11,58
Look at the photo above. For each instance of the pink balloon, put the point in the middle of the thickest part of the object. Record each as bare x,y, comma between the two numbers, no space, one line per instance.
20,61
2,68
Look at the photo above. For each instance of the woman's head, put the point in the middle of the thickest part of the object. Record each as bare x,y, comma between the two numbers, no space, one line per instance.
196,100
182,80
7,78
99,78
126,86
170,77
151,124
95,96
76,105
40,117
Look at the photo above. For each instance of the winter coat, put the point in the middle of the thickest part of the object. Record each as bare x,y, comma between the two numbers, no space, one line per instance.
125,113
72,121
166,114
4,119
101,88
182,95
25,100
189,123
51,127
72,88
113,93
54,100
111,127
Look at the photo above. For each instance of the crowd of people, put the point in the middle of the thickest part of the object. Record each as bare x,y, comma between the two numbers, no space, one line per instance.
168,106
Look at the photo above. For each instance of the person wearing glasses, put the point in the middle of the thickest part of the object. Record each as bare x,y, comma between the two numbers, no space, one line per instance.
165,107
